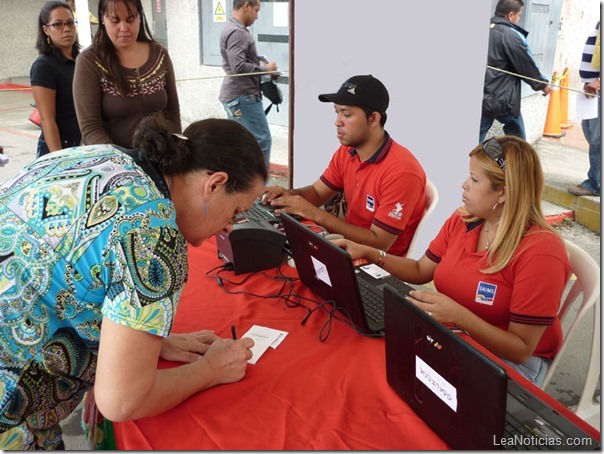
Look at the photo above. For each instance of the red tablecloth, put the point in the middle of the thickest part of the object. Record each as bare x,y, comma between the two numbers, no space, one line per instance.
305,394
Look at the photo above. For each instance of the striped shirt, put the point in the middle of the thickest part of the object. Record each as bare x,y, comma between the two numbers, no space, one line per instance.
587,72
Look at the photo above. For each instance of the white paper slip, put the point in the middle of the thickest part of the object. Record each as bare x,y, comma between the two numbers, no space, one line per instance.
587,108
263,338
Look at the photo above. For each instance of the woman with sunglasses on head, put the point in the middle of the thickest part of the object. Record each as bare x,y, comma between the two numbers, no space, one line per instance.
124,76
93,258
499,268
51,78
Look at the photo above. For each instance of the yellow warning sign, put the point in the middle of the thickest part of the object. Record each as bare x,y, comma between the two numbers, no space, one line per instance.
219,12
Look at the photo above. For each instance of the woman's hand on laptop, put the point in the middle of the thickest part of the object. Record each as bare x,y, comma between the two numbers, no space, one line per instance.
437,305
355,250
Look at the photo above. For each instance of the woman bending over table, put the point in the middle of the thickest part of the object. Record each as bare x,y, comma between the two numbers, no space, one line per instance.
93,258
499,268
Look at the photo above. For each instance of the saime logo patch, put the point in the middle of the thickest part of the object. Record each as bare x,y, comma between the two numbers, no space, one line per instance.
370,203
485,293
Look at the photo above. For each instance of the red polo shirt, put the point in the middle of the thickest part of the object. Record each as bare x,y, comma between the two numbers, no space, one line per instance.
387,190
528,290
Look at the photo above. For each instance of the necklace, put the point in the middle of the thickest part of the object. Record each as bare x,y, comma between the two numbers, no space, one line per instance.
486,233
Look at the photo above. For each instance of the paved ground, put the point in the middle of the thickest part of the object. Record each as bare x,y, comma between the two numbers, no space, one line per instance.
565,163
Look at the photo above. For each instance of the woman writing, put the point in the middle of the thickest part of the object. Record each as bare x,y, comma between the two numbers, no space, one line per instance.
93,258
123,77
499,268
51,78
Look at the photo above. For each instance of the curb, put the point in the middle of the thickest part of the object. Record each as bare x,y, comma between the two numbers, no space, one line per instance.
278,170
559,218
586,209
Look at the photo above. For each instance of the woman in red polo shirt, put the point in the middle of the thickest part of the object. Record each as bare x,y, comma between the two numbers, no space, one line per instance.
499,268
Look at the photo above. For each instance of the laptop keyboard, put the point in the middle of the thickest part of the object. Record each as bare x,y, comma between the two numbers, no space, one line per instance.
513,430
259,212
373,303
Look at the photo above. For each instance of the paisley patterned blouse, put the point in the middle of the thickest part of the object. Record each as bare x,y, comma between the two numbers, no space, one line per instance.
84,233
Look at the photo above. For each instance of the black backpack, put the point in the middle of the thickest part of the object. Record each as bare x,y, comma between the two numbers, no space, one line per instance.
272,92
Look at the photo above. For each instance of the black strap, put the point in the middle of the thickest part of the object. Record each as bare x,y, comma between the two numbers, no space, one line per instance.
268,109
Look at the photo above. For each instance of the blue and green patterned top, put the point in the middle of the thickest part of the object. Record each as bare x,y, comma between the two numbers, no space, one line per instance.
84,233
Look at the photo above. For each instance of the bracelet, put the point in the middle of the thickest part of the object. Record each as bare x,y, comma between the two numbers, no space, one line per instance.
382,258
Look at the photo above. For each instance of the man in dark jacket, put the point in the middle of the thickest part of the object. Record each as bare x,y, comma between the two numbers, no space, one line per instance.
508,50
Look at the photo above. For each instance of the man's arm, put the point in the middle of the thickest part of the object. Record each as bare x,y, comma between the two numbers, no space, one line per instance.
373,236
522,61
306,202
236,51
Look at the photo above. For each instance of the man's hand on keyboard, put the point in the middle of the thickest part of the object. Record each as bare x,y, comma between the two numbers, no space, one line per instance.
273,192
296,205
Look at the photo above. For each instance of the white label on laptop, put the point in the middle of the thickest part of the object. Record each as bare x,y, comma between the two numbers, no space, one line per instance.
321,271
435,383
375,271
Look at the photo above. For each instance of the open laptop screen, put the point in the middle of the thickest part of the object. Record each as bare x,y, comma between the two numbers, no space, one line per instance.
457,390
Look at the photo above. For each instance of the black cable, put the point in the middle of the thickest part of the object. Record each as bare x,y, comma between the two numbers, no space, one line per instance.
291,299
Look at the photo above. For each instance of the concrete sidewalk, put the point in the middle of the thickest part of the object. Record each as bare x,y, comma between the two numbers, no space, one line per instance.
565,163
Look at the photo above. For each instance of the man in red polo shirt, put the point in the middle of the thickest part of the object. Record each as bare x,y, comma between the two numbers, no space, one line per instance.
383,183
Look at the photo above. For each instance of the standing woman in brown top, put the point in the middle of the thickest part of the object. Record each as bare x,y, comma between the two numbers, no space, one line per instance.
123,77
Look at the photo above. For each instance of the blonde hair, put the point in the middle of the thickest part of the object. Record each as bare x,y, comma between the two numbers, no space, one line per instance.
522,180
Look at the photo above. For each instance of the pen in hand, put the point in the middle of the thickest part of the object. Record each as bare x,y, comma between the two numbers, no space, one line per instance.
233,332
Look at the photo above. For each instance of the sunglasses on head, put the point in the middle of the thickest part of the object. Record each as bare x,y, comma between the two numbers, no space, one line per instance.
493,148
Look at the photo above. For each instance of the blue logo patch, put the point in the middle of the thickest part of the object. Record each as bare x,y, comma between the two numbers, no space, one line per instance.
485,293
370,203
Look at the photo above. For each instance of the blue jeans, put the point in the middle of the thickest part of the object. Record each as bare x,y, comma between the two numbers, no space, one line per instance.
43,147
512,126
591,129
248,111
534,370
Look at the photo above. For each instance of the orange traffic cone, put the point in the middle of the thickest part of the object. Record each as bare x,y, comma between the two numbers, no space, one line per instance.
552,120
564,82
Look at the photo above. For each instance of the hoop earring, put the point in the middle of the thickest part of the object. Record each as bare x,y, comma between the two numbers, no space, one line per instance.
495,206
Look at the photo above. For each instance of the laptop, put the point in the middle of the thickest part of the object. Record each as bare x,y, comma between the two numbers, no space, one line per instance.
465,396
328,271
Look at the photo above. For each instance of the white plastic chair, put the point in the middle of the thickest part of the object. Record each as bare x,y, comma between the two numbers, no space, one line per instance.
431,202
587,272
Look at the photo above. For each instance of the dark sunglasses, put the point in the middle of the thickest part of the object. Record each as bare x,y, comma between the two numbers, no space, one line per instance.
493,148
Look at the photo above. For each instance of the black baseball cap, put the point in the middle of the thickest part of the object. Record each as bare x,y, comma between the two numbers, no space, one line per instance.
360,91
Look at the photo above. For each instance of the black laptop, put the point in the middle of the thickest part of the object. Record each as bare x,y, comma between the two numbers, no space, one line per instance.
328,271
466,397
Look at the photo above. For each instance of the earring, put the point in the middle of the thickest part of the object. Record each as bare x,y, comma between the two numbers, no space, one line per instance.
495,206
48,39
